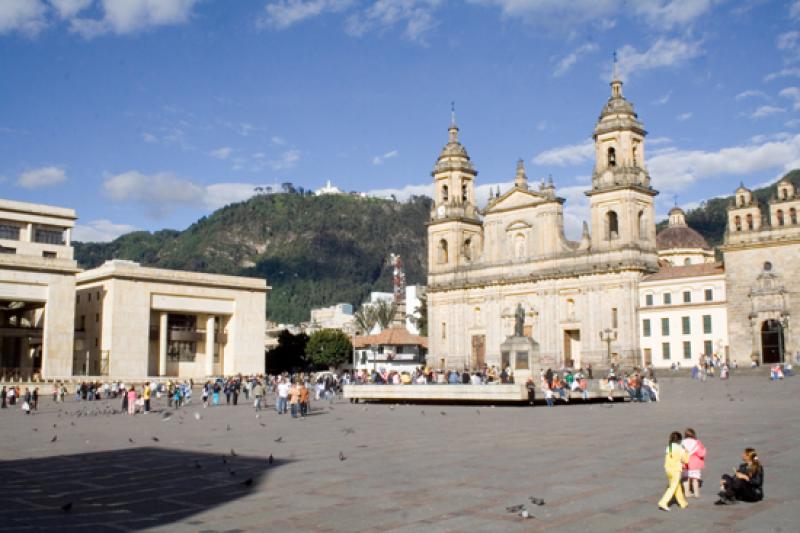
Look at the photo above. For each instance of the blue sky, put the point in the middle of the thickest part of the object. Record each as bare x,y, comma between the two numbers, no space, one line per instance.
146,114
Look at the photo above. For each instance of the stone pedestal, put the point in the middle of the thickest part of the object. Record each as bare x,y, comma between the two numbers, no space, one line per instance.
522,355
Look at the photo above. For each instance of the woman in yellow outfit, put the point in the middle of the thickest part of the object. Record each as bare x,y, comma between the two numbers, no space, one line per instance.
674,460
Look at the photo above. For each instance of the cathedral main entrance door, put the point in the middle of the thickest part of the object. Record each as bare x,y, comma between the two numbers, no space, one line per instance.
771,342
478,351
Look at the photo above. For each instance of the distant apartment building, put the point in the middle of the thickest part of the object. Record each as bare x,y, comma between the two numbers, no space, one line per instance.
138,321
37,290
339,316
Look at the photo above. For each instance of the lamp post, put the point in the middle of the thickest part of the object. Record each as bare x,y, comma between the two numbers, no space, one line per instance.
608,335
782,325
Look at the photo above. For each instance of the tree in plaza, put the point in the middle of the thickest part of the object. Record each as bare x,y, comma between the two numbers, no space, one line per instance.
329,348
421,321
384,312
365,319
290,354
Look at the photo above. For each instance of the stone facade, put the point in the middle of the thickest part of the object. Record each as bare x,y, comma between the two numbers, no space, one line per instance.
37,289
483,263
762,264
137,321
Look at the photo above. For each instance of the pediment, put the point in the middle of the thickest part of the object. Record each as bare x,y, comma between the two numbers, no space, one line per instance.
515,199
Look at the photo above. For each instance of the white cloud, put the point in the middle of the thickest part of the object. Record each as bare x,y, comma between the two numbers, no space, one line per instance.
570,59
751,93
101,231
659,14
678,169
664,99
657,141
149,137
25,16
793,123
572,154
381,15
794,9
788,40
42,177
282,14
765,111
131,16
221,194
791,72
277,141
664,53
159,193
287,160
683,117
222,153
66,9
380,159
792,93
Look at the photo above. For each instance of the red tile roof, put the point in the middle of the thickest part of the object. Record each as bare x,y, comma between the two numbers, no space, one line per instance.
686,271
393,336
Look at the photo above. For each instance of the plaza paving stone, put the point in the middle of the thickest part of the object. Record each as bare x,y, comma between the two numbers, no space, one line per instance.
408,467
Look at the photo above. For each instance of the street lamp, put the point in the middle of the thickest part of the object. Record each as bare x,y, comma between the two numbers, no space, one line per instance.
608,335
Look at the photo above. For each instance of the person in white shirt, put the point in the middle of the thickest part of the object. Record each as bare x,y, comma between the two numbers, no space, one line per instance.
283,396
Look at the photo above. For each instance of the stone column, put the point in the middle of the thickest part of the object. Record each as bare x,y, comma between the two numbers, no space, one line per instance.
210,340
68,237
162,343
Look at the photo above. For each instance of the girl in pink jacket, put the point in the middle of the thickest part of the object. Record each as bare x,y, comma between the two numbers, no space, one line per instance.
693,470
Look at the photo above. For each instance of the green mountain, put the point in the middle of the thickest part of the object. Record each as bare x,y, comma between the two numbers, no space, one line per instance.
711,217
313,250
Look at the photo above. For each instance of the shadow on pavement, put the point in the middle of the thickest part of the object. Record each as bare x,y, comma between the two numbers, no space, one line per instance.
130,489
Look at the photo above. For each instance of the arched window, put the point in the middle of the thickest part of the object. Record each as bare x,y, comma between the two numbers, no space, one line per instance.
741,200
737,221
749,222
443,251
612,225
519,245
467,249
634,153
779,215
785,193
445,193
793,216
464,195
612,157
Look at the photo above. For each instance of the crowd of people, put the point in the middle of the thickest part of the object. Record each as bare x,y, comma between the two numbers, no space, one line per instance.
684,462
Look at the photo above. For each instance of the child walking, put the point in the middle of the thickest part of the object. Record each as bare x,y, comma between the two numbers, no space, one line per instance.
674,460
697,461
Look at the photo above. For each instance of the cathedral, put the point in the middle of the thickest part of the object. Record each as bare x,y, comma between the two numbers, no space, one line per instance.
578,298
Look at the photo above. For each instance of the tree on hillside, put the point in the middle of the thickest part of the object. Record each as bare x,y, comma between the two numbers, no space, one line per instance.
329,348
289,355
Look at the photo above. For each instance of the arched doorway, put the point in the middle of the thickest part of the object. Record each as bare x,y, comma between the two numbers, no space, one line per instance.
771,342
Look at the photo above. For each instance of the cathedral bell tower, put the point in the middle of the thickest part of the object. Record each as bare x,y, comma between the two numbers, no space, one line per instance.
454,231
621,198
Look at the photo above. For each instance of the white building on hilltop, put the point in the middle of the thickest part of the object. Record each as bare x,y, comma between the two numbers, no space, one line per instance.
329,188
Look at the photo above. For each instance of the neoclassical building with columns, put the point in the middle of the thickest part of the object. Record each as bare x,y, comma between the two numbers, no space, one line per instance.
579,297
133,321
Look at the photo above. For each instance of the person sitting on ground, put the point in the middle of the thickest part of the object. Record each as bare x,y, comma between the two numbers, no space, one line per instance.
776,372
746,483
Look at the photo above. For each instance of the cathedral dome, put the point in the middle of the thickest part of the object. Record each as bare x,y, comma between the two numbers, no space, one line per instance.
453,156
678,235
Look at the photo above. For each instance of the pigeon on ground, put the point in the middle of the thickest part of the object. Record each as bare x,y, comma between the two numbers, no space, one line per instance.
166,416
279,439
247,482
270,459
54,425
197,416
229,427
536,501
130,440
55,438
524,514
478,411
263,425
233,452
422,412
515,508
36,429
67,507
442,413
341,456
155,439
